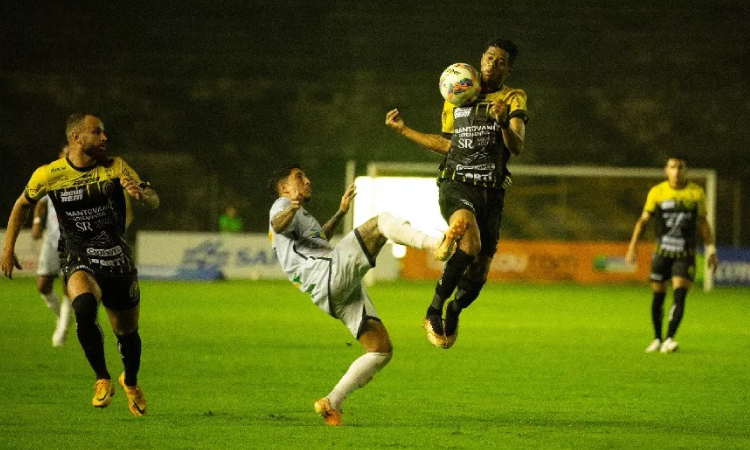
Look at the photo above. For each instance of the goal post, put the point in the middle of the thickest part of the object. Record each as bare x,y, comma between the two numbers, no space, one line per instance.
576,202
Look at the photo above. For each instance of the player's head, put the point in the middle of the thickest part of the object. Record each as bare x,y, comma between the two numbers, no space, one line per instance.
290,181
86,131
497,61
676,170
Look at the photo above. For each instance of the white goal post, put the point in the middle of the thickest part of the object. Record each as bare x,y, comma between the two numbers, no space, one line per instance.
391,177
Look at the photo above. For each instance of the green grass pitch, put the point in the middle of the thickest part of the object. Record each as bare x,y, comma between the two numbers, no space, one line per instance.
239,364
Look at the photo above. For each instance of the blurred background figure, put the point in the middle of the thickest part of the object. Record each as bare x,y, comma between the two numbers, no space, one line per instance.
48,267
230,221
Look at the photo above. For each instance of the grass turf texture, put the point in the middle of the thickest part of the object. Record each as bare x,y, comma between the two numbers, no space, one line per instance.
239,365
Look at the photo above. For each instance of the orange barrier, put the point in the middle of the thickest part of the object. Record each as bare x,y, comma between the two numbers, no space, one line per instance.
584,262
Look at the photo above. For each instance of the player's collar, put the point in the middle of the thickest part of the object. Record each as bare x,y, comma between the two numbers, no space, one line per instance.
81,169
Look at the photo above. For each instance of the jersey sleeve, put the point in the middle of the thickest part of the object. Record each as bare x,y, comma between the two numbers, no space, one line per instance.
128,172
279,205
517,103
650,205
37,186
447,118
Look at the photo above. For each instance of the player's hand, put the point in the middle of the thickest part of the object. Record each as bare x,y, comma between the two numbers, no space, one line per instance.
296,203
713,262
393,119
132,188
346,200
499,112
631,256
8,262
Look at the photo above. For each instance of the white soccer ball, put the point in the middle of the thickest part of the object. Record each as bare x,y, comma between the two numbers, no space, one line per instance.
460,84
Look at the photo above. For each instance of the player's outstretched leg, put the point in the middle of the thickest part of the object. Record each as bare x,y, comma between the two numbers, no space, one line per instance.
401,232
92,341
374,338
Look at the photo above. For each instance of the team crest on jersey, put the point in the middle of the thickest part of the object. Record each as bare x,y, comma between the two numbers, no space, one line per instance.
108,187
135,291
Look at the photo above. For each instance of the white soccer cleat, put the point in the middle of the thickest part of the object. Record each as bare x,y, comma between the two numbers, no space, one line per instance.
669,346
654,346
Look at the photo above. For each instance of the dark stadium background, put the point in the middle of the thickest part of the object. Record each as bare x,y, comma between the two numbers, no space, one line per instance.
205,98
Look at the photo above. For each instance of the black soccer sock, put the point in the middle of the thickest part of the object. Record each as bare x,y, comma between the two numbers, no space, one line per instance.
90,334
467,291
657,313
454,268
130,351
678,309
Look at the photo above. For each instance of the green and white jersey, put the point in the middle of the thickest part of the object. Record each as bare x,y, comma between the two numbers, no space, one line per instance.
299,246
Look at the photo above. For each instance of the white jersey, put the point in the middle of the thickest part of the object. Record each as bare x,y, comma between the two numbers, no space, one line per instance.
49,260
299,245
52,225
331,275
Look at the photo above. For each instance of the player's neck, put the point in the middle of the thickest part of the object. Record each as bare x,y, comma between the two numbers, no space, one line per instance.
677,185
80,159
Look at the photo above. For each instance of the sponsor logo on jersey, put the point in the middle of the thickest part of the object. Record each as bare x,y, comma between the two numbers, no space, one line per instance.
71,196
461,112
483,167
104,251
668,204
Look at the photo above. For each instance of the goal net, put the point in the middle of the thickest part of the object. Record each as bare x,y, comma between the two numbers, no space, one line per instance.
566,204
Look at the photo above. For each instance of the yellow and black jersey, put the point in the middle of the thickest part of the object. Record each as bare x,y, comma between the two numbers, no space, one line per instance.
676,212
91,208
477,153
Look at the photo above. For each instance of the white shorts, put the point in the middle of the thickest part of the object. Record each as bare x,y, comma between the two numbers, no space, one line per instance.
49,260
340,291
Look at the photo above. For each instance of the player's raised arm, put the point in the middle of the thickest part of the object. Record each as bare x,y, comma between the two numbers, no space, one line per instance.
334,221
434,142
514,129
144,194
18,216
281,221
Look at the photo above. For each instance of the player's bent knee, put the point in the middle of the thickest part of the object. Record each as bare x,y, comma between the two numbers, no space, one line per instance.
85,308
381,359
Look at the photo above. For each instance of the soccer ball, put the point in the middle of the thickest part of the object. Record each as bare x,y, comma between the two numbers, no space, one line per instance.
460,84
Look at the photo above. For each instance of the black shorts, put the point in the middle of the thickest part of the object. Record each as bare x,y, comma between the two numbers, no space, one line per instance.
663,268
486,204
120,291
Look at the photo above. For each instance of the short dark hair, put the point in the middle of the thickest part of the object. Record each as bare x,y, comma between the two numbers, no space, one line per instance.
677,157
507,45
278,175
74,120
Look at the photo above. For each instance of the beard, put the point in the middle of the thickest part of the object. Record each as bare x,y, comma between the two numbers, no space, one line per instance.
97,153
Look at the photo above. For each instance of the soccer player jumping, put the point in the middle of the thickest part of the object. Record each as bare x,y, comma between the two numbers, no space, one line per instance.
679,207
332,275
477,141
88,191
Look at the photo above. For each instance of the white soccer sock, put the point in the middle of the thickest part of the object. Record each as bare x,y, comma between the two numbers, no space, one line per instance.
66,313
359,374
52,301
401,232
63,322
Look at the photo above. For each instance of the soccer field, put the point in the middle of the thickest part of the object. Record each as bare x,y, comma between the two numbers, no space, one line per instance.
239,364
